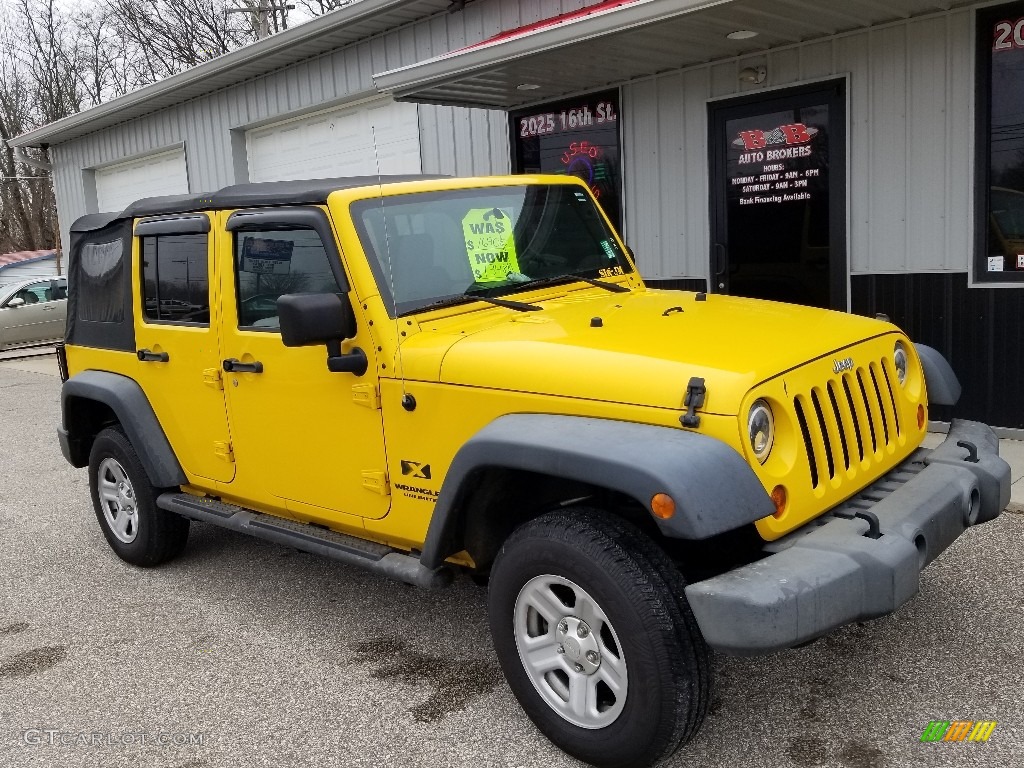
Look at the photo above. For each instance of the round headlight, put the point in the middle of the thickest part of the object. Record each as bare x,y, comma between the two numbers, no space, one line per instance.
899,361
761,430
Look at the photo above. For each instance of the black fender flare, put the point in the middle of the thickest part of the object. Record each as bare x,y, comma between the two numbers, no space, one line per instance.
714,488
939,379
129,404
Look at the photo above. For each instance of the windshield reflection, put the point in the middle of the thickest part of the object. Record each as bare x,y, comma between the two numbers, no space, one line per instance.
428,247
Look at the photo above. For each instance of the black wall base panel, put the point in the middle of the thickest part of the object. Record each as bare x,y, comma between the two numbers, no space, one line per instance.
979,330
679,284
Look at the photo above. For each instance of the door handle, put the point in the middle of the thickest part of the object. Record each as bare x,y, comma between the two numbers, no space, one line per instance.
720,264
48,309
234,365
148,356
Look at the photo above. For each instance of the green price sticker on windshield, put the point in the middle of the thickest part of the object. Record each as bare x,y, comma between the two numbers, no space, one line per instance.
490,246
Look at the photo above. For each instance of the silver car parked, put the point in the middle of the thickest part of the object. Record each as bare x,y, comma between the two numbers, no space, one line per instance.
33,312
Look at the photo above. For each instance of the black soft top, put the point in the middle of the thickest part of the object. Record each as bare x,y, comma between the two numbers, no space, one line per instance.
304,192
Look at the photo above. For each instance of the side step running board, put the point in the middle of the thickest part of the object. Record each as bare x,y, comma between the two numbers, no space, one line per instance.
308,538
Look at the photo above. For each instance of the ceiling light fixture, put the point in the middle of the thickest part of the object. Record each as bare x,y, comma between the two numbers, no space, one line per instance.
741,34
527,87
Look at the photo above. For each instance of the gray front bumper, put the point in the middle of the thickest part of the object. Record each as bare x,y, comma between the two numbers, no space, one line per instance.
831,572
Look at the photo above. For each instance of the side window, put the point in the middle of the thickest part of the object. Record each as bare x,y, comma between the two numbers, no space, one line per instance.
100,287
59,290
271,263
175,281
37,293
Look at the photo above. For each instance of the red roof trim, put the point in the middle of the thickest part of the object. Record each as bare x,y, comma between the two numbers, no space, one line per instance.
22,257
551,21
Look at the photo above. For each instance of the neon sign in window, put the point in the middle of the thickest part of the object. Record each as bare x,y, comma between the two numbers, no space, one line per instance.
579,138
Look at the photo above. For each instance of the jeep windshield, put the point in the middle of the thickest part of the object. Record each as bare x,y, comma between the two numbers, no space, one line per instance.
432,248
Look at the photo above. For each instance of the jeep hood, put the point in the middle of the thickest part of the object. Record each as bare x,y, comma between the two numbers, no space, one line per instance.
638,348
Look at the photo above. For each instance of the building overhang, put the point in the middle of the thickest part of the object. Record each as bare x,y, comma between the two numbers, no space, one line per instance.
621,40
604,44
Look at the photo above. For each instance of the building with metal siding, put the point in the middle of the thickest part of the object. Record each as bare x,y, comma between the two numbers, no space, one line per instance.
27,265
906,189
903,139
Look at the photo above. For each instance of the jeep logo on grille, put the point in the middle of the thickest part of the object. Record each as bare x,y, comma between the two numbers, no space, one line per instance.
846,364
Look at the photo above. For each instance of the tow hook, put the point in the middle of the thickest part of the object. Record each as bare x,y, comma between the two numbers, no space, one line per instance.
972,450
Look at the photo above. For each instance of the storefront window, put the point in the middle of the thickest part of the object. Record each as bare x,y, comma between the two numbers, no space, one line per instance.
1000,132
579,137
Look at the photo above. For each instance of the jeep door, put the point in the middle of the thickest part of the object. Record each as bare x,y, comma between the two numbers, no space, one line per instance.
178,355
305,440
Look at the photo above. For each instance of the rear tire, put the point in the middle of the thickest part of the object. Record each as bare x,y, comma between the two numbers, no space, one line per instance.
593,632
125,503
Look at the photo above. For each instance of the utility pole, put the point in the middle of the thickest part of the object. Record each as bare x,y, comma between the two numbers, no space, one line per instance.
265,10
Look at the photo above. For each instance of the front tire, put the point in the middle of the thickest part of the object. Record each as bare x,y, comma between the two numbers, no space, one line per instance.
593,632
125,504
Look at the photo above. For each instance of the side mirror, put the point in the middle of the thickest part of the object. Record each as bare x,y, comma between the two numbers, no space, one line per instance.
314,318
14,303
308,319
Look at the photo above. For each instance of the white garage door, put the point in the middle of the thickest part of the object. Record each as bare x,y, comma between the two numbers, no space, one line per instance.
339,142
160,174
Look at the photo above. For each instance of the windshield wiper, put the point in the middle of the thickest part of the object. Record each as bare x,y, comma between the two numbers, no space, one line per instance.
613,287
519,306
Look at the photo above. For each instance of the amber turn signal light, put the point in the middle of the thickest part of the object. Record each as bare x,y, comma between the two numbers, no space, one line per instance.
663,506
779,499
920,417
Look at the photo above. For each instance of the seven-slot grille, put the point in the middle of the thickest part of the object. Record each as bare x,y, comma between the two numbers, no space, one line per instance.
849,420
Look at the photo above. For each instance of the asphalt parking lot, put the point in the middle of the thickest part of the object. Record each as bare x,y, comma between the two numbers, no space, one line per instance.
242,653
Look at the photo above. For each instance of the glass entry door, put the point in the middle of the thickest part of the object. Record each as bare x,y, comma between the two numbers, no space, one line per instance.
778,195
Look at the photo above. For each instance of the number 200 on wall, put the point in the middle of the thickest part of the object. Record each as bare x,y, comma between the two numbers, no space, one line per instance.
1008,35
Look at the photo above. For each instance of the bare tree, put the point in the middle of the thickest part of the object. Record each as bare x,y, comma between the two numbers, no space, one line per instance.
104,69
38,83
57,58
321,7
164,37
28,214
51,55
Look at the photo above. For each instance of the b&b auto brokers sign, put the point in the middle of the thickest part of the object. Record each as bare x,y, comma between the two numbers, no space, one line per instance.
775,166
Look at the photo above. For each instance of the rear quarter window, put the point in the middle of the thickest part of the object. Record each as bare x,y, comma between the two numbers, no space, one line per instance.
101,288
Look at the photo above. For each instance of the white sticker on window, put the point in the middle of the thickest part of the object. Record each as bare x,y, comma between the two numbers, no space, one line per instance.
267,257
1020,261
995,263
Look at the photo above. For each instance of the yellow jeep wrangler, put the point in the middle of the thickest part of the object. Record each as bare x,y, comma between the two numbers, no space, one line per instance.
422,376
